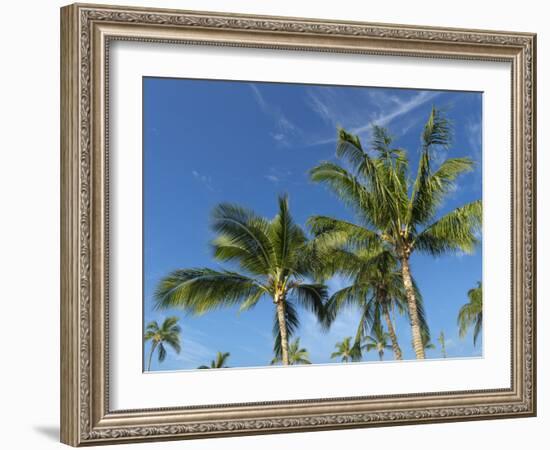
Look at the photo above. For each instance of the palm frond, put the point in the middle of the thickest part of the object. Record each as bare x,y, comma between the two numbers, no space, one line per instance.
330,232
471,313
287,238
153,326
353,295
437,130
202,290
312,297
241,228
173,340
162,352
455,231
431,188
349,190
170,324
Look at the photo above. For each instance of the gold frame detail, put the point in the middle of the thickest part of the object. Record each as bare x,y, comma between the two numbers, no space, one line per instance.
86,31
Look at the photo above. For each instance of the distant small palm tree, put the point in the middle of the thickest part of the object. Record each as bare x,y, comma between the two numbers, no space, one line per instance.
472,313
346,351
218,363
378,340
441,340
168,333
296,355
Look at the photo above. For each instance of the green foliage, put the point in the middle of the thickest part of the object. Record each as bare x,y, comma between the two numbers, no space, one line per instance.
394,213
297,355
377,341
219,362
167,333
346,351
472,313
274,259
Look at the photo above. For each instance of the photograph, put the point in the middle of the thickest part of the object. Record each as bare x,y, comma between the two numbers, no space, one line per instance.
291,224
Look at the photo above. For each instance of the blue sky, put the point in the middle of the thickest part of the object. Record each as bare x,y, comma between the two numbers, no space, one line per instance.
207,142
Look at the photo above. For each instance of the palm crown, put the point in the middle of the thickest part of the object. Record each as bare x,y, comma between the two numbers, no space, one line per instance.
218,363
167,333
376,289
296,354
274,260
378,341
394,213
472,313
346,351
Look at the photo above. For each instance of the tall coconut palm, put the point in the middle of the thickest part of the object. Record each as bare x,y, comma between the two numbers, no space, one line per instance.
441,340
376,289
394,212
296,354
274,260
219,362
472,313
168,333
346,351
378,341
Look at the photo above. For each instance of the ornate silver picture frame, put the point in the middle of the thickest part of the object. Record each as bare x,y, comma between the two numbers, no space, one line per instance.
87,32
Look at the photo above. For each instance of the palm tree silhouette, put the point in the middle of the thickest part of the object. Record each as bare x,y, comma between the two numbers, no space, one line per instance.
472,313
296,355
378,340
346,351
168,333
219,362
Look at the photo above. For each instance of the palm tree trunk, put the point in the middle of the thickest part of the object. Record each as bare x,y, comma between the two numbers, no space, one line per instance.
413,311
281,317
391,331
153,347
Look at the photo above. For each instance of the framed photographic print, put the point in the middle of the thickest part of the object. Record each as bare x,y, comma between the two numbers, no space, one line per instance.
276,224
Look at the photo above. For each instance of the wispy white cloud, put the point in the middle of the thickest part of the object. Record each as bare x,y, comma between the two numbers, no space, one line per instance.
334,109
193,353
284,128
399,107
380,109
276,174
473,133
204,179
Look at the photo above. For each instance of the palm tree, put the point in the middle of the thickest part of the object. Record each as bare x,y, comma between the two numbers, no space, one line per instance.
168,333
441,340
394,212
274,259
217,363
472,313
346,351
296,355
376,288
378,340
